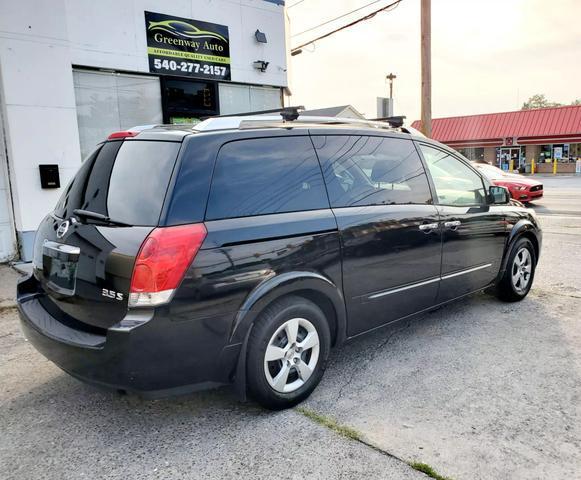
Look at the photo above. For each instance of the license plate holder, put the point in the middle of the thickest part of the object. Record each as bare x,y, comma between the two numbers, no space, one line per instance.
59,264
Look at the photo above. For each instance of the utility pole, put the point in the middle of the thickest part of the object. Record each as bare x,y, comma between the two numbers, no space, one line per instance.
426,121
391,77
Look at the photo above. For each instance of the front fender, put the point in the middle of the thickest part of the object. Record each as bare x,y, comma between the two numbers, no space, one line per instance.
522,227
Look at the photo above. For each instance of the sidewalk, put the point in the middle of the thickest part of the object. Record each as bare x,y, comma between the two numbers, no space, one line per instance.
8,279
550,175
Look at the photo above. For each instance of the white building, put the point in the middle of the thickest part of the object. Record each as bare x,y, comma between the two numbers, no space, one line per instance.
73,71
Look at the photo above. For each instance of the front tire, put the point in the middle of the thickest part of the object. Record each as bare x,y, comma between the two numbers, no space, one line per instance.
518,277
288,350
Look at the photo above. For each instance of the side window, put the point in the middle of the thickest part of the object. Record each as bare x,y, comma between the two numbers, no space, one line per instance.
365,170
456,183
266,175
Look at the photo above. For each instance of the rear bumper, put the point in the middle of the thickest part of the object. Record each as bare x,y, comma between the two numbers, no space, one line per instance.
147,353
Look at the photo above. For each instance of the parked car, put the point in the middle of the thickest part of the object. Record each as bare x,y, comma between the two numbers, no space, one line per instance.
245,249
521,188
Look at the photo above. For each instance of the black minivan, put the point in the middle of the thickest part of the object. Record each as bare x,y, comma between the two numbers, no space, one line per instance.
242,249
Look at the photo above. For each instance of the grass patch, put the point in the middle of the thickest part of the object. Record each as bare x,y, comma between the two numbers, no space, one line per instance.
428,470
330,423
353,434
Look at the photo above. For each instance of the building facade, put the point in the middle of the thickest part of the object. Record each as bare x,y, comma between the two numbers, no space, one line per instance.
73,71
543,135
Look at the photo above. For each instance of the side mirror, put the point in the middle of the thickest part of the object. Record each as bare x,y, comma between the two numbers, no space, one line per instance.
498,195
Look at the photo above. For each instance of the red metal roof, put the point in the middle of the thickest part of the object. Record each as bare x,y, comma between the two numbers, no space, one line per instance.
544,125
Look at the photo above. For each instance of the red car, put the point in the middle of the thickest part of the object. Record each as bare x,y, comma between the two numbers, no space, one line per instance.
521,188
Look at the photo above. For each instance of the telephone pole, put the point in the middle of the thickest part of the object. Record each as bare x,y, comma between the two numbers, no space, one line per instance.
391,77
426,121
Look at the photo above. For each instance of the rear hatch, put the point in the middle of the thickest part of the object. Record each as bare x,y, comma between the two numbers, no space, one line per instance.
85,250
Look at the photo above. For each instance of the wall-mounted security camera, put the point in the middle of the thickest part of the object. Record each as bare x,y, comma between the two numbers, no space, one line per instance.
260,36
261,65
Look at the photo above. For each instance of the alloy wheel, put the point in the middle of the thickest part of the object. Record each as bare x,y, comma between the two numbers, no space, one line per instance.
291,355
522,267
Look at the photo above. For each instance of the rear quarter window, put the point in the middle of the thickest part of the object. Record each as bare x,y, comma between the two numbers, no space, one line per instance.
264,176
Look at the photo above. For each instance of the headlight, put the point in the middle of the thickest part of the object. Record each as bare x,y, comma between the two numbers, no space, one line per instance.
520,188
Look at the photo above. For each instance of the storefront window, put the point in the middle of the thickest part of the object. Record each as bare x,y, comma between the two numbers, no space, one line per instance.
108,102
575,152
243,98
474,154
546,154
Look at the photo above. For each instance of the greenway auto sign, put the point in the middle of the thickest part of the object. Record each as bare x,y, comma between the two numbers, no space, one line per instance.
180,46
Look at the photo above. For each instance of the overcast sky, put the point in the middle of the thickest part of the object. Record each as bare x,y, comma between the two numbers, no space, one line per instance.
487,55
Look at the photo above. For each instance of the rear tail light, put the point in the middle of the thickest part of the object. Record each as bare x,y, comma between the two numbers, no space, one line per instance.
162,262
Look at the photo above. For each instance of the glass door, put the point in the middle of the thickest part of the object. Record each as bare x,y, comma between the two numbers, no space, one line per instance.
506,155
504,159
188,101
515,157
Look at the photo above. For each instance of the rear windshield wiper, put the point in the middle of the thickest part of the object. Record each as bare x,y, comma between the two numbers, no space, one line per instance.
99,217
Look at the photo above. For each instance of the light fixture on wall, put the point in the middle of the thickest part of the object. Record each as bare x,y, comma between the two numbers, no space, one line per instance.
260,36
261,65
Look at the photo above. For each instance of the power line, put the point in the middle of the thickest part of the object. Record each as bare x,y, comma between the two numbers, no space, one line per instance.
295,4
295,50
336,18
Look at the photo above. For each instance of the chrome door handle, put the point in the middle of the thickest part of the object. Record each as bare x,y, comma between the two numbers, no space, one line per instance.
427,227
453,224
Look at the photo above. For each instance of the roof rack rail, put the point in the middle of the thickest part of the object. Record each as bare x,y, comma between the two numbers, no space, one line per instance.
292,117
287,113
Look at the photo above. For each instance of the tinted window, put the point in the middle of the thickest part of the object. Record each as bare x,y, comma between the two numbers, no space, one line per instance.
362,170
456,183
126,181
75,194
266,175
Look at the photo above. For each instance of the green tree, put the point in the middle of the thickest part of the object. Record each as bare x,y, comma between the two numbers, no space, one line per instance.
576,102
539,101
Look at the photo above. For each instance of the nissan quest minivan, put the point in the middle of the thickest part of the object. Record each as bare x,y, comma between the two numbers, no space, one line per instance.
243,249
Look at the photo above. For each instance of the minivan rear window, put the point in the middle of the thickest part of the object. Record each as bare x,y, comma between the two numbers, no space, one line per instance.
127,181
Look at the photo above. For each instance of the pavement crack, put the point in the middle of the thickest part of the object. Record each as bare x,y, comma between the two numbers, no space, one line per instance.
367,360
551,292
356,436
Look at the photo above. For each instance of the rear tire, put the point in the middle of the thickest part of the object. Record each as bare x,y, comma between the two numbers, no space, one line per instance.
288,350
519,274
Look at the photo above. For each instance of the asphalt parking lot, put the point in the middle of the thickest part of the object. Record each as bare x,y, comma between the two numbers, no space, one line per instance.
477,390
